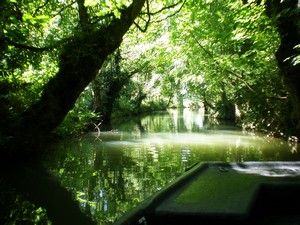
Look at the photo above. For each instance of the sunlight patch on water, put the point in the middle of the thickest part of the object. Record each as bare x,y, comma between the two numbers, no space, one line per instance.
280,169
213,139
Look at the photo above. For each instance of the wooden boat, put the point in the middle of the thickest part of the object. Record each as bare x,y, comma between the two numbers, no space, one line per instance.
225,193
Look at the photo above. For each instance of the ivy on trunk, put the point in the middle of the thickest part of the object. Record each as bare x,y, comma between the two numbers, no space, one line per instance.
80,61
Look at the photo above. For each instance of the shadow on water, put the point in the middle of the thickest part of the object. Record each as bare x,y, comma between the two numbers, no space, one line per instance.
103,177
31,195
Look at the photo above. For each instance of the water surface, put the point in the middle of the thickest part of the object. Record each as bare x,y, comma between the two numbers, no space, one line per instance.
110,172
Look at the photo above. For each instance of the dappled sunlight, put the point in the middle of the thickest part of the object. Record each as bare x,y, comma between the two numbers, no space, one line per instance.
112,173
280,169
115,172
220,139
68,67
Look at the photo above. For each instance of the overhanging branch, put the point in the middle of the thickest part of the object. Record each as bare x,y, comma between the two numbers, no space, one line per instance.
168,7
150,14
171,15
26,47
40,7
219,64
147,21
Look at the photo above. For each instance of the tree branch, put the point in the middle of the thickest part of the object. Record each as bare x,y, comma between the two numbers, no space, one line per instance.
40,7
26,47
77,68
83,16
173,14
219,64
168,7
64,8
149,14
147,21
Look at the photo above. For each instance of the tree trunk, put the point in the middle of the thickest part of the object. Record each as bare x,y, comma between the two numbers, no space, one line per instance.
225,108
80,61
287,19
107,87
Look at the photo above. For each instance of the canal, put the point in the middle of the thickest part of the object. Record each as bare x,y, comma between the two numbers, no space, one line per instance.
109,172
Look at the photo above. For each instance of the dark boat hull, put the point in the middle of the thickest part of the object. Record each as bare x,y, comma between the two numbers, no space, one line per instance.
225,193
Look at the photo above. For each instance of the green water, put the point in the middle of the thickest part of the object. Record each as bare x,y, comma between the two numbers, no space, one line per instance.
110,172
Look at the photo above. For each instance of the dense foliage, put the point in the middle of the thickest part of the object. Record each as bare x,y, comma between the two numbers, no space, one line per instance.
214,54
229,49
220,55
71,65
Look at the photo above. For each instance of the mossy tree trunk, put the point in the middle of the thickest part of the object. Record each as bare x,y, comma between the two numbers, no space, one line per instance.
288,24
107,87
80,61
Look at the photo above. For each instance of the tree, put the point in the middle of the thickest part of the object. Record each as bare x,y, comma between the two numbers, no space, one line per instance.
53,50
82,34
80,59
230,48
107,86
164,68
109,83
212,48
286,18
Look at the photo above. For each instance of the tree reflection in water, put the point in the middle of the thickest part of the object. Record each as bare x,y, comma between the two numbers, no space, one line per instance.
32,195
112,174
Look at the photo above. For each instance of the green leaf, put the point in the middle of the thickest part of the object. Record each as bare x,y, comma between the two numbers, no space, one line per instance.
13,19
27,17
88,3
117,13
41,19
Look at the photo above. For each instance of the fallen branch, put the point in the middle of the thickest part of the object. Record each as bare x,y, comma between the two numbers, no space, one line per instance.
98,128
